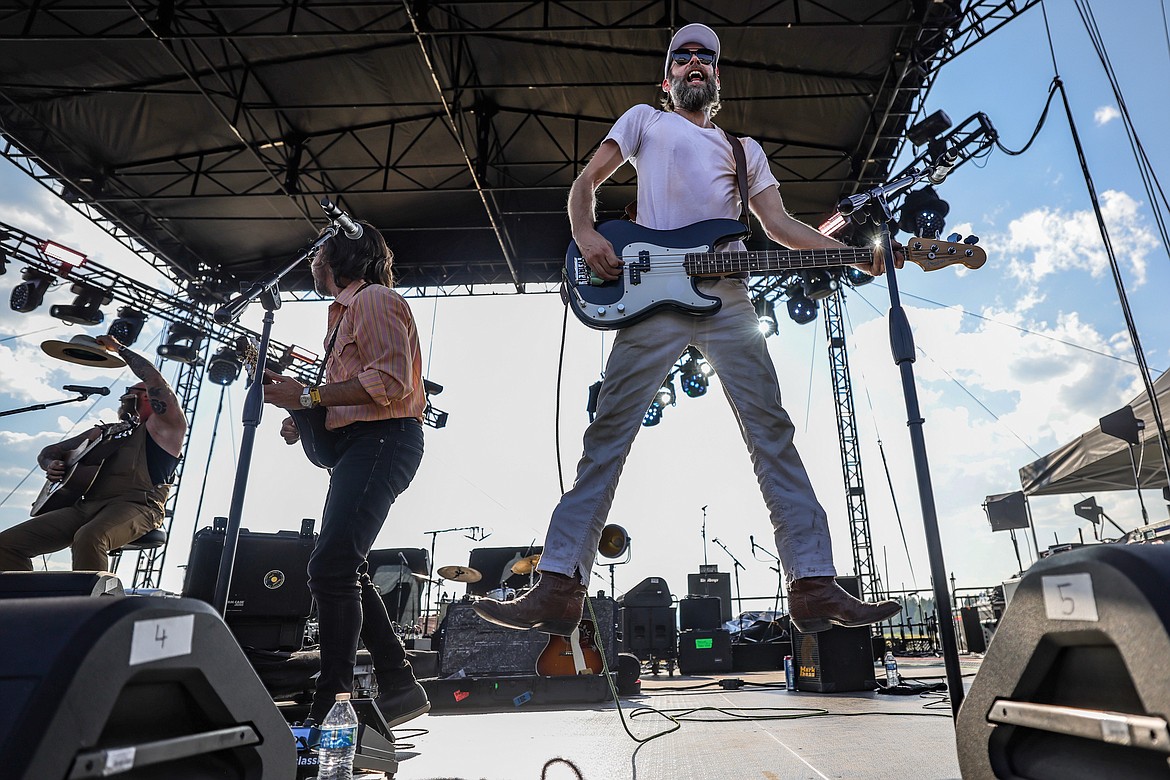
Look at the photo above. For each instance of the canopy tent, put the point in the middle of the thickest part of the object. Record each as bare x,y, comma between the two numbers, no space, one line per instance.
1096,461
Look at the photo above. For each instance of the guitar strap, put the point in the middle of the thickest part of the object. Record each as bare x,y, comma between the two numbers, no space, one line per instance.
333,340
578,654
740,177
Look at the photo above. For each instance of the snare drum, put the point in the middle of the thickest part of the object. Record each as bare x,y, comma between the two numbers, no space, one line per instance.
502,594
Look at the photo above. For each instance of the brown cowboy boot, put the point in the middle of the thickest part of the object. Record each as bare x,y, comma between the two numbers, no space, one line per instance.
554,606
818,603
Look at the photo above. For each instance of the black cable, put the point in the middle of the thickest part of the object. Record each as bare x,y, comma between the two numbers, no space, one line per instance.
1039,125
557,411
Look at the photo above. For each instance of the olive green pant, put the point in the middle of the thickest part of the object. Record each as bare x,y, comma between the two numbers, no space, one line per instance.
91,528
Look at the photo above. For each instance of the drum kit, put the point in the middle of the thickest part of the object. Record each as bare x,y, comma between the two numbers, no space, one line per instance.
466,574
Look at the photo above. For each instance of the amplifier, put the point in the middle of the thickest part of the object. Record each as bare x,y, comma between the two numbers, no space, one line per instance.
704,651
837,660
702,612
713,583
470,644
650,632
269,600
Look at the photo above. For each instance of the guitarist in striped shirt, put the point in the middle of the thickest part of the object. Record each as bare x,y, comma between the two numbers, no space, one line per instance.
135,464
374,400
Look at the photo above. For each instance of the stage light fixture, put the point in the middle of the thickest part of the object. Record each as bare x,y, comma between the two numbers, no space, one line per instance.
86,307
653,415
127,325
666,396
30,293
691,374
856,277
183,343
922,213
801,308
435,418
819,285
766,315
929,128
224,366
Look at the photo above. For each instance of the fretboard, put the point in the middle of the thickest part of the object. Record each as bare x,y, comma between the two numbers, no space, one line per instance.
767,261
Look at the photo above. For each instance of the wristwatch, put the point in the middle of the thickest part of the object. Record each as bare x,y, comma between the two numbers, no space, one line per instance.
307,398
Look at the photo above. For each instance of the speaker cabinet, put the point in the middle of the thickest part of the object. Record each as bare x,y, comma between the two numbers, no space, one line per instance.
134,686
837,660
1074,682
650,632
702,652
713,583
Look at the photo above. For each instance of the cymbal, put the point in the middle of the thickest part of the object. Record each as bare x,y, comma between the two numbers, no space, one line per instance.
459,573
526,565
422,577
84,350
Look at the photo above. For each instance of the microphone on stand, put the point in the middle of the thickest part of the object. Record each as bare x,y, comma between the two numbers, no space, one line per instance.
752,539
86,390
350,228
943,167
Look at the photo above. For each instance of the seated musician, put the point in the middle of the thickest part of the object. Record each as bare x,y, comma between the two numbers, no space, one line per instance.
126,499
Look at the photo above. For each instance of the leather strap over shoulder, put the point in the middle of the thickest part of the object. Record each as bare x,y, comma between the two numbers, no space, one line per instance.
740,175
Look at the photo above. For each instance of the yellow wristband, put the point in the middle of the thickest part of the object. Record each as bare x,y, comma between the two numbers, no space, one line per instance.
315,395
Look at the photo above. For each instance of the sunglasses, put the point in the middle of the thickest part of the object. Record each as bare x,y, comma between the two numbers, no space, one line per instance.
682,56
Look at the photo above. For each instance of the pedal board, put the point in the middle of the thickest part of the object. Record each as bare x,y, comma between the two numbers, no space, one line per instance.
515,691
375,751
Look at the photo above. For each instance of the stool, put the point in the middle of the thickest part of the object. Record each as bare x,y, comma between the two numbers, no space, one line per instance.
148,541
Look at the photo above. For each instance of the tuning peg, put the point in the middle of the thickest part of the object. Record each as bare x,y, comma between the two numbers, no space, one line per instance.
971,240
954,238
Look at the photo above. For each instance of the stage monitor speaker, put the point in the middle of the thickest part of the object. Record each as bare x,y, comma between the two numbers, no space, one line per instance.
268,600
699,612
35,584
973,629
703,652
136,687
837,660
713,583
650,632
1074,682
495,564
1006,511
650,592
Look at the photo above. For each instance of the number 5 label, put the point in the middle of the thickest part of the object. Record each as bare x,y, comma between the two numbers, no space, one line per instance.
1069,597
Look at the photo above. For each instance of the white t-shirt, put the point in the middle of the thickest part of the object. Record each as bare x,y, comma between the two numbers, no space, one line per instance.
686,173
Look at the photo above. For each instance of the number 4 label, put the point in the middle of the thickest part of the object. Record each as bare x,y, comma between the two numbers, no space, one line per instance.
1069,597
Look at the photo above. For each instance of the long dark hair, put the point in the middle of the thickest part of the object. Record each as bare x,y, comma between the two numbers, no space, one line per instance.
366,257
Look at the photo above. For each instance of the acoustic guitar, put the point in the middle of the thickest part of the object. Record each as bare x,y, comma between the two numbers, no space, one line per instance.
566,656
82,465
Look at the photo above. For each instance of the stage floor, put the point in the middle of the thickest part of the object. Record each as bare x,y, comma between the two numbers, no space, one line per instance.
764,732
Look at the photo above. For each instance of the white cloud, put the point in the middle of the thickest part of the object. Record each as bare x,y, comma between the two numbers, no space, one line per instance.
1044,242
1106,114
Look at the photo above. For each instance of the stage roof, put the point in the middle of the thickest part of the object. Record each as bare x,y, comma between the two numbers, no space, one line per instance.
210,129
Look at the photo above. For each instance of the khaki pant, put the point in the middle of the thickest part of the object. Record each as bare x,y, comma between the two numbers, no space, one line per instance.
91,528
642,356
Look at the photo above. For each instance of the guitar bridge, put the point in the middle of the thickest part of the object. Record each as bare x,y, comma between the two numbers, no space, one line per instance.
582,275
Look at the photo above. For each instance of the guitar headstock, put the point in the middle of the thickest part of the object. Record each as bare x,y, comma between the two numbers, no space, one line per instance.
933,253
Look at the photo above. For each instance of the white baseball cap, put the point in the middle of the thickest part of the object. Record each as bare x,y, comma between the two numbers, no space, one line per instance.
692,33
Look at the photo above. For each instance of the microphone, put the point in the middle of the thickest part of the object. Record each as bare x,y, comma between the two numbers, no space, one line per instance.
943,167
752,539
86,390
350,228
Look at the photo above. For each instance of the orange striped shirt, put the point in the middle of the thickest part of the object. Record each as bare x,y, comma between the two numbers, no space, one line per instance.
377,342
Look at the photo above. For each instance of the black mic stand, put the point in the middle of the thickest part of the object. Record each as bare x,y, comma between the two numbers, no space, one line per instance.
37,407
777,569
736,566
267,290
902,349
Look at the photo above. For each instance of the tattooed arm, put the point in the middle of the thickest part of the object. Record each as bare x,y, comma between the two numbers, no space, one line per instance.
167,424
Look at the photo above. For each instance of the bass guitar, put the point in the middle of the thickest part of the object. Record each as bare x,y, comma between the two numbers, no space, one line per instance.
82,465
662,267
566,656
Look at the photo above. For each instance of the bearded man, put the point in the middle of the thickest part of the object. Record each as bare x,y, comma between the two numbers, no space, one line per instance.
687,173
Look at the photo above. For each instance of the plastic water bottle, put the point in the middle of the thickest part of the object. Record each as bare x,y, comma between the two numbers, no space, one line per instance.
891,669
338,741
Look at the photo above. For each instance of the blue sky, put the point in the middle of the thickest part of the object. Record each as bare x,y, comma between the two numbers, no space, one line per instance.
1014,359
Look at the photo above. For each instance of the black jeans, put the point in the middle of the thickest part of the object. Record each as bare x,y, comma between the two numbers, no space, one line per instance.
377,462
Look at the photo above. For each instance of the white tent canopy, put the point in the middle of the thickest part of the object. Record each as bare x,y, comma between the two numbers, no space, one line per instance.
1096,461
